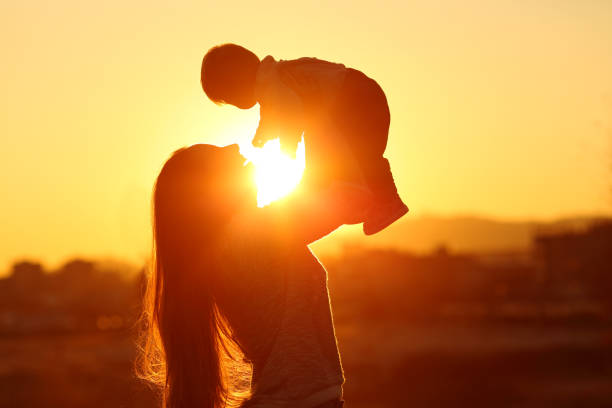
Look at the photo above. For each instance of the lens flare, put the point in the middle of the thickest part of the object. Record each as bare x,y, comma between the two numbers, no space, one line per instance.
276,174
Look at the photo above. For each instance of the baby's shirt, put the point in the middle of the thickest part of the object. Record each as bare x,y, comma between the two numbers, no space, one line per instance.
293,94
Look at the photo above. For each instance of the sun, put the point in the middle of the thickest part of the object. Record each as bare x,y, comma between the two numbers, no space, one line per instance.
276,174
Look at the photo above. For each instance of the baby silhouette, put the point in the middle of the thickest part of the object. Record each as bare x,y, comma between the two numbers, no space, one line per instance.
342,114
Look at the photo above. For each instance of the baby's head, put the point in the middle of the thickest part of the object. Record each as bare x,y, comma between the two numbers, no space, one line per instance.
228,75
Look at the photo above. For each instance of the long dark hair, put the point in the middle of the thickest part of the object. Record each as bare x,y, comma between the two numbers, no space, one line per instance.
187,345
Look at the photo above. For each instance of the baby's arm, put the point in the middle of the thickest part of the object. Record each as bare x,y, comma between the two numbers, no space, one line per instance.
281,115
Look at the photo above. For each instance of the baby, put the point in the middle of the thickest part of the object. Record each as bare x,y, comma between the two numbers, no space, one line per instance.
342,114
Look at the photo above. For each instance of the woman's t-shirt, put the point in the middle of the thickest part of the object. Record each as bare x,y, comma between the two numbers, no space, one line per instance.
278,307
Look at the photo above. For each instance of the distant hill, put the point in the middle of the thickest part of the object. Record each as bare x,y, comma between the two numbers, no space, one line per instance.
458,234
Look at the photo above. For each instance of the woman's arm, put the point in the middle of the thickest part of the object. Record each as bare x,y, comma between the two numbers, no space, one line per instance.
304,218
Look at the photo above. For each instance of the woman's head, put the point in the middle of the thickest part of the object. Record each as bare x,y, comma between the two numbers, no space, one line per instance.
228,75
196,193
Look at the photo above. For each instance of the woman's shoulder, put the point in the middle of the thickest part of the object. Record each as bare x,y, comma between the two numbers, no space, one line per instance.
247,240
250,260
240,235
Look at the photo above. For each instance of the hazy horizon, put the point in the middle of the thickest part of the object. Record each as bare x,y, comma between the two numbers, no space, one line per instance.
423,234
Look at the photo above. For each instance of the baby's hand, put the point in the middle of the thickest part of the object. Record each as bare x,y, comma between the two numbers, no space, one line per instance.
264,133
275,123
289,144
259,140
288,139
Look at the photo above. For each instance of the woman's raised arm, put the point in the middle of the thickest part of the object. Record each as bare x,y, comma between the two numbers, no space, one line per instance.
306,217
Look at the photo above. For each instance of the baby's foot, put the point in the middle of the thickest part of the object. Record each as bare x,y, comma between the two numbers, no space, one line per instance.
383,215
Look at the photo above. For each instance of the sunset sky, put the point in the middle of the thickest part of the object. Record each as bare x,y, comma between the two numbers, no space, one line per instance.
499,108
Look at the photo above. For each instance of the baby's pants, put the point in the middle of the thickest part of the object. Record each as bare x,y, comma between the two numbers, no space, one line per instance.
360,121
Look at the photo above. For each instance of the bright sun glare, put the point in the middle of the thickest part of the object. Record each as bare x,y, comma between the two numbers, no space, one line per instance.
276,174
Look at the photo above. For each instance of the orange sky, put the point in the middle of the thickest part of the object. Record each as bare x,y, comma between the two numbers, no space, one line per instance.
498,108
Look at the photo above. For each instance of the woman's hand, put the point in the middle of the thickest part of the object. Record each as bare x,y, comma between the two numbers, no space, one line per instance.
350,201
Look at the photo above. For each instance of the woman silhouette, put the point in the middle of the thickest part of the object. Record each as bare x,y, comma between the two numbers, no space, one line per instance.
233,283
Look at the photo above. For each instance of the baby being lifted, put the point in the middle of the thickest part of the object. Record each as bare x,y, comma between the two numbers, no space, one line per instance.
342,114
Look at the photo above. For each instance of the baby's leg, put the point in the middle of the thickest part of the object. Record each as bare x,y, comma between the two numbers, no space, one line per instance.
362,118
389,206
329,158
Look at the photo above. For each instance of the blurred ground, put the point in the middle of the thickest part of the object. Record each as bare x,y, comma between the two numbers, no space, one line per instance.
516,330
476,367
385,366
